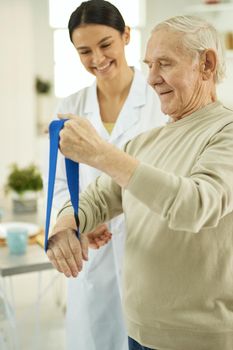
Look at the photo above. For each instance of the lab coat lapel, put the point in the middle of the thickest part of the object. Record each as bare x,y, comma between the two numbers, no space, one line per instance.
92,112
130,113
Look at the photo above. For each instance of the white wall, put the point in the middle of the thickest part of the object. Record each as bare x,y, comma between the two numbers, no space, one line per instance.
26,51
17,131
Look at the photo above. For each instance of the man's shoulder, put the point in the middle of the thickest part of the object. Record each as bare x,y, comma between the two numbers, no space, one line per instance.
142,140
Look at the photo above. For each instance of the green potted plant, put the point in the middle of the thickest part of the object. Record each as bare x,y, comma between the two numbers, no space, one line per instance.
42,86
24,183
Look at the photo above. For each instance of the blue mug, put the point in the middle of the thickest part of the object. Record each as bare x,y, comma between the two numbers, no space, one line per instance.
17,239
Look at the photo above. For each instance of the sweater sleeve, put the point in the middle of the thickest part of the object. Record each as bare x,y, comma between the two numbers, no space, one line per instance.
100,202
196,201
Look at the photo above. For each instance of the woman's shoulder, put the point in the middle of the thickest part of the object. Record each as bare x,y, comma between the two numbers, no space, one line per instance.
80,94
76,102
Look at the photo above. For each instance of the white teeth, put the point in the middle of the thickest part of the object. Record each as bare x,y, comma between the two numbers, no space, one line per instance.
104,67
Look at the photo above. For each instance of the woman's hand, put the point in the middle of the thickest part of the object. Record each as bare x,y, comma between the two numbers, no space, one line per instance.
99,237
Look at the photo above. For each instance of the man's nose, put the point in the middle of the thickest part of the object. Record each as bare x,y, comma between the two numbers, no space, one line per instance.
154,76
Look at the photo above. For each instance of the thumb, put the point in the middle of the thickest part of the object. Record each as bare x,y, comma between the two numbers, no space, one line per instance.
84,246
66,116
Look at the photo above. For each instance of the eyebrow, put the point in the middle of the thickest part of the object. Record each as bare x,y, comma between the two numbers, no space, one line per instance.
100,42
161,58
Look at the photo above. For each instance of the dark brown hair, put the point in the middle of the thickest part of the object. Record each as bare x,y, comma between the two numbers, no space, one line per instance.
96,12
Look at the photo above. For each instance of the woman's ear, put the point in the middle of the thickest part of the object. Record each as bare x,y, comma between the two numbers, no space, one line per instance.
126,35
208,64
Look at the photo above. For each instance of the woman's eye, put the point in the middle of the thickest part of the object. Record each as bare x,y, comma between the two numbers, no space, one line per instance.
84,52
105,45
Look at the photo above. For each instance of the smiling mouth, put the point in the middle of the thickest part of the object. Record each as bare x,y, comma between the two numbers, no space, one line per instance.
103,68
165,93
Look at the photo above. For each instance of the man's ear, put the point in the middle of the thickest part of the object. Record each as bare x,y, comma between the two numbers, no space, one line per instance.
126,35
208,64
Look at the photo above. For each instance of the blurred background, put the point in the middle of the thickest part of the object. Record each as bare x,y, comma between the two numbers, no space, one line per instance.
39,66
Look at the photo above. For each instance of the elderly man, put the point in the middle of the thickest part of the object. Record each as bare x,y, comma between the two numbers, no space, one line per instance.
175,187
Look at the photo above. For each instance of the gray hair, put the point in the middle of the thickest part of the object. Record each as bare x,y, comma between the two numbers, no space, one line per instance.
199,35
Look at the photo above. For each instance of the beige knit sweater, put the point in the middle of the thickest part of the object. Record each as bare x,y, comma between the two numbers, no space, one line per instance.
178,206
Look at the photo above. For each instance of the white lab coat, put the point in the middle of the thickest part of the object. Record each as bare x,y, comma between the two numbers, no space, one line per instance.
94,318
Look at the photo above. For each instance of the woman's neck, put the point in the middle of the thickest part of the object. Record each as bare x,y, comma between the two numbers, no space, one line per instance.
116,88
112,95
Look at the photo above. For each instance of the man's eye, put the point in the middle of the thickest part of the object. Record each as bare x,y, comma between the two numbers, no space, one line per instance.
163,64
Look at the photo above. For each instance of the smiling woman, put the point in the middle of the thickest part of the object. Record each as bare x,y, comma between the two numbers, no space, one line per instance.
104,51
65,75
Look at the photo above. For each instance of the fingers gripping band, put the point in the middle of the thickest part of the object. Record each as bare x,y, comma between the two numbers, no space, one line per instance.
72,174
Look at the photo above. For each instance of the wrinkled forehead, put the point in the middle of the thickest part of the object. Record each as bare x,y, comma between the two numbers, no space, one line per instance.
165,42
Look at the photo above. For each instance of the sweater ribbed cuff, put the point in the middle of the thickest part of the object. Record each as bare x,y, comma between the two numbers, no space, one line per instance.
68,210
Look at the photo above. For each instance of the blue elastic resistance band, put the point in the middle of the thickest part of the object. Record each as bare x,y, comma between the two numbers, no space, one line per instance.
72,174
